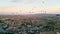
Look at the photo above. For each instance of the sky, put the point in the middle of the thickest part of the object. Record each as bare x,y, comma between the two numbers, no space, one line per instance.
29,6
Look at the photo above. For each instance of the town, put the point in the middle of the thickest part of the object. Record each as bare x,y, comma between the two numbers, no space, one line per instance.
29,24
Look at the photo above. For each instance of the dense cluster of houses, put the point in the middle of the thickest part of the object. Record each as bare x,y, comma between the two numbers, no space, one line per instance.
23,25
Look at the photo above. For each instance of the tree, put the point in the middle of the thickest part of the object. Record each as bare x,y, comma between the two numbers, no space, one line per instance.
50,24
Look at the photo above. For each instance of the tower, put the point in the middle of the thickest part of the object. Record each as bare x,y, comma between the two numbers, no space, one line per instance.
43,11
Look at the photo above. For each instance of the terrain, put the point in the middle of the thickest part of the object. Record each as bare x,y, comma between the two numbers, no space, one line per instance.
29,24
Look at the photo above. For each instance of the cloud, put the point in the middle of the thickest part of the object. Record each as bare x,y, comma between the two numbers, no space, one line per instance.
24,1
14,0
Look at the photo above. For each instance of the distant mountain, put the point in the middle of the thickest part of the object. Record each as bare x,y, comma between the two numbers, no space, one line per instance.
39,15
33,15
45,14
57,14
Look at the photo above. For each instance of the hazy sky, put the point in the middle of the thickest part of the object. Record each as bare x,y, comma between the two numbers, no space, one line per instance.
26,6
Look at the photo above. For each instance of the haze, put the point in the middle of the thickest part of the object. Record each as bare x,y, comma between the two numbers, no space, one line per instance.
29,6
